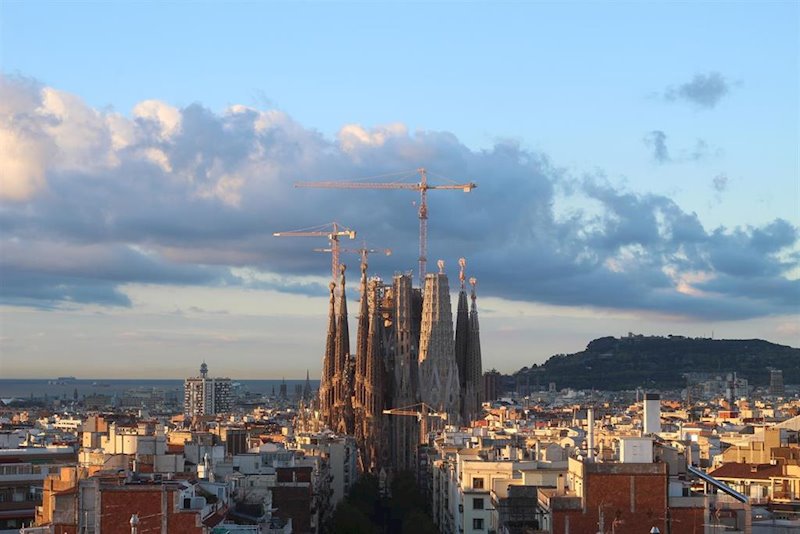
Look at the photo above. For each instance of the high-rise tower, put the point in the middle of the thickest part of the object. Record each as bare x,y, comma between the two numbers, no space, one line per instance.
206,396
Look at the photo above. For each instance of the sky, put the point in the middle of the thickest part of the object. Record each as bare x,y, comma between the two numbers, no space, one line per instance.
637,168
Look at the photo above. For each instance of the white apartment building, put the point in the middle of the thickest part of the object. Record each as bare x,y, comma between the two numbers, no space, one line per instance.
468,490
206,396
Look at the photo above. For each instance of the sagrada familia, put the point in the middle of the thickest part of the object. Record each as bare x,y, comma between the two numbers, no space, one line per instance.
407,361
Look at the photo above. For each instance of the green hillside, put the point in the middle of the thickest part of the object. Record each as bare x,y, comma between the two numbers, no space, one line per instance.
660,362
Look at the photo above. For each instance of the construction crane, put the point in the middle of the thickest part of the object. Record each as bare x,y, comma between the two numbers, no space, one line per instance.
422,186
364,252
422,412
333,231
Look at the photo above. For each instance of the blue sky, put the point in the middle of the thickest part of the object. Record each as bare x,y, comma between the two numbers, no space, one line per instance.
611,129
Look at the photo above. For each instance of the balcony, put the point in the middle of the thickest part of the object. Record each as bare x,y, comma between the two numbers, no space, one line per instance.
784,496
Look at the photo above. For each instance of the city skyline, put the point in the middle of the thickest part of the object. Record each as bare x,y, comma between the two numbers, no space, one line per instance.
628,179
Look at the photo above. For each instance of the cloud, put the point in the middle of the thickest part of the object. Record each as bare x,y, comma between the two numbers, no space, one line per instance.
704,90
25,148
720,183
188,196
699,151
657,141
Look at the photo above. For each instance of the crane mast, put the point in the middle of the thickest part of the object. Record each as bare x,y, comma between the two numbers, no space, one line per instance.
422,186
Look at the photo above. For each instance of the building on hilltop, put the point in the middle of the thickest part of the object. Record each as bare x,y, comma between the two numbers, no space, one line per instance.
206,396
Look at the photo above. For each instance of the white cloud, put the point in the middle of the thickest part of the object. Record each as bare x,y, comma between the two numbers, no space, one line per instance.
81,134
167,117
226,188
23,161
351,137
25,149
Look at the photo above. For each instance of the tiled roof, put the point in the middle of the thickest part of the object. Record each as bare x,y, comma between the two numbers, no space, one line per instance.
747,471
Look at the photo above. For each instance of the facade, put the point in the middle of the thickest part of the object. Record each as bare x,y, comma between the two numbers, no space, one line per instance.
72,504
206,396
22,472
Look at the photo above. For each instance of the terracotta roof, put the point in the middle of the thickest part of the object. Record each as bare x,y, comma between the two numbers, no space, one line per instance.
747,471
216,518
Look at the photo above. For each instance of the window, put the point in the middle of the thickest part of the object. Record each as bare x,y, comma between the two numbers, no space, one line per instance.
477,524
477,503
477,483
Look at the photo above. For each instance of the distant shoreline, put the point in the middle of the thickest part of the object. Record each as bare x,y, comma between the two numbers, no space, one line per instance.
25,387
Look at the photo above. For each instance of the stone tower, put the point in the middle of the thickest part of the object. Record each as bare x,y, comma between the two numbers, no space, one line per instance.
403,340
374,400
342,421
438,371
327,388
362,341
473,383
462,341
369,399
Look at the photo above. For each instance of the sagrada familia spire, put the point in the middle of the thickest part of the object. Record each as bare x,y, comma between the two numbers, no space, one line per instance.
336,386
438,371
406,354
370,376
327,384
468,351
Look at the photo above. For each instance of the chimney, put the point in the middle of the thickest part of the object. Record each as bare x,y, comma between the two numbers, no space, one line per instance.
590,436
560,486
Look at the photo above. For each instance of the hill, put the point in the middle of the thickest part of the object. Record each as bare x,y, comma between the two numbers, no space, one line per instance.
660,362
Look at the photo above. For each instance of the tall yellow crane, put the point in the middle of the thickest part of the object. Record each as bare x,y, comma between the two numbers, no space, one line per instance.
422,186
333,231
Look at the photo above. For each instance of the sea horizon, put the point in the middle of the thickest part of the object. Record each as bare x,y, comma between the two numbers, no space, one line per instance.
24,387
